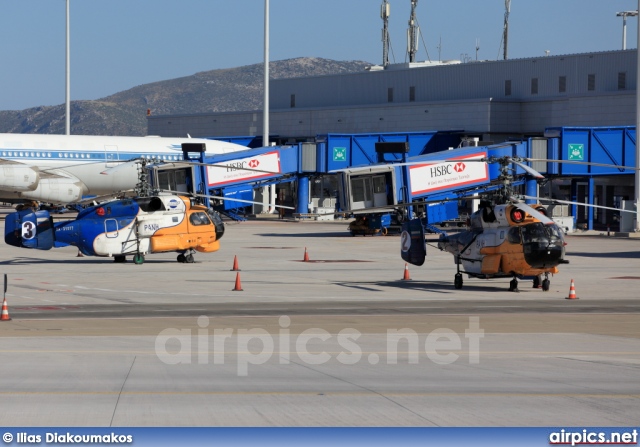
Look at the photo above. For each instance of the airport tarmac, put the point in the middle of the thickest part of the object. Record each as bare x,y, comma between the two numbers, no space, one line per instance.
340,340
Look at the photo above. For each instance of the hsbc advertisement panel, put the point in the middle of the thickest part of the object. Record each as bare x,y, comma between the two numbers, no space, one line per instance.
458,172
235,170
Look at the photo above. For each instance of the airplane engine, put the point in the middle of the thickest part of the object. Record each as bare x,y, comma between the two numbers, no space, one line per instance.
19,178
57,190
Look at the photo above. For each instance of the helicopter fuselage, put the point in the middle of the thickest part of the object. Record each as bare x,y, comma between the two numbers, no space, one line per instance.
504,241
134,226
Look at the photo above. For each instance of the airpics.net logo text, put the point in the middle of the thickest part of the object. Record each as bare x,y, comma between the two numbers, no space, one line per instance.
313,346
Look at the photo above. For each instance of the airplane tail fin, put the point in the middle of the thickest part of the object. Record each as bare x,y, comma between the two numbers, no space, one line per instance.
29,229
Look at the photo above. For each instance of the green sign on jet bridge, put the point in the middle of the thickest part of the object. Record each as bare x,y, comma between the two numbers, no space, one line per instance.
339,154
576,152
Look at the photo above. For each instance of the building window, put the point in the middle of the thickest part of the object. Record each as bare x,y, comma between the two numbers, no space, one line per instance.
412,94
293,101
591,82
562,84
534,86
390,94
622,80
507,87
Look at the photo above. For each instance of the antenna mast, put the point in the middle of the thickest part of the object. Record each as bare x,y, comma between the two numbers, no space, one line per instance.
412,33
505,35
385,12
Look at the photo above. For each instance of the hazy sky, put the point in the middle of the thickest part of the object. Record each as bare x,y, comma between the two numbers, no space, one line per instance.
119,44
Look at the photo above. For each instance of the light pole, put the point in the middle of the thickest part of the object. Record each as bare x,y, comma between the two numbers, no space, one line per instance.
265,108
636,181
68,81
624,15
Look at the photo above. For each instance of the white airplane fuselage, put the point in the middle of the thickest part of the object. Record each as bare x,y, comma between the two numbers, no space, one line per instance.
63,168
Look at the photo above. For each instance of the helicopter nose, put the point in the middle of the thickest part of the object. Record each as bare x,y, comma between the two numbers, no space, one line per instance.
540,255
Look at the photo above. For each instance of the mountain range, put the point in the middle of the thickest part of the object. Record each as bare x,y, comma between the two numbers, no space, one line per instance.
124,113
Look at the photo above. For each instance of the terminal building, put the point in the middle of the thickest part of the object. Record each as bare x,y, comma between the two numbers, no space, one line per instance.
491,100
479,102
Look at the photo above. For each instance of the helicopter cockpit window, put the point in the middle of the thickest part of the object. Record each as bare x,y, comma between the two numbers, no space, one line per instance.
199,218
534,232
513,235
555,233
539,232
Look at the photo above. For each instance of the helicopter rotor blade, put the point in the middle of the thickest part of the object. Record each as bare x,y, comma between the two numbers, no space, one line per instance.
528,168
156,163
79,164
223,198
531,211
373,167
121,167
567,202
588,163
217,165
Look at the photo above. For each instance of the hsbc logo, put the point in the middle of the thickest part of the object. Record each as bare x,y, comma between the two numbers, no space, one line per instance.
238,165
448,169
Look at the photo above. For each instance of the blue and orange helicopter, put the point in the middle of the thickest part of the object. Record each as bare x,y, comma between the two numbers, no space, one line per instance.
151,222
130,226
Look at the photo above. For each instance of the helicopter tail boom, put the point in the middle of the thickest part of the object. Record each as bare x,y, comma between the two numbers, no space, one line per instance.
30,229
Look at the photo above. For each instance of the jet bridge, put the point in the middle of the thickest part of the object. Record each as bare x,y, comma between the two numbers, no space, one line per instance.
308,164
379,188
243,177
305,169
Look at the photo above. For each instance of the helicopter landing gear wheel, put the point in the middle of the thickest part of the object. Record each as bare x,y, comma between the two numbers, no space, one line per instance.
513,285
536,282
457,281
138,258
546,284
186,257
120,258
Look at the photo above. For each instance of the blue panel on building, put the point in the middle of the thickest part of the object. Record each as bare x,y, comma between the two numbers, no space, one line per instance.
243,192
606,145
347,150
439,212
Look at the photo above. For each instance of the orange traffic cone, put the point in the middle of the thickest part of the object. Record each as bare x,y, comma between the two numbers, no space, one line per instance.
572,292
235,265
5,311
406,276
306,255
238,286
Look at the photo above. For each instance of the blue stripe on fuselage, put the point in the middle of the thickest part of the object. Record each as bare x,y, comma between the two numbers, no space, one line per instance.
33,156
82,231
